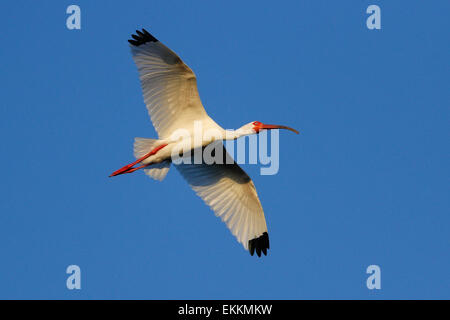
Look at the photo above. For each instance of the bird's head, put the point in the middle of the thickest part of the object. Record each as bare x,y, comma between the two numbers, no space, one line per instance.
255,127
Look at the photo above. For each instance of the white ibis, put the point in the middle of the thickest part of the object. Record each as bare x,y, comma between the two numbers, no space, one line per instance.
170,92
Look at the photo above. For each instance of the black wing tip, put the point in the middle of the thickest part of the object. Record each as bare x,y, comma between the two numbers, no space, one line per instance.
260,244
141,37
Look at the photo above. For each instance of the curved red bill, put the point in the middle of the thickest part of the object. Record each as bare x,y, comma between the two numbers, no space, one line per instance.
276,126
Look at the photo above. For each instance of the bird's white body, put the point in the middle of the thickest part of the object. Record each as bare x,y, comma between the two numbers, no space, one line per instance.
170,92
191,138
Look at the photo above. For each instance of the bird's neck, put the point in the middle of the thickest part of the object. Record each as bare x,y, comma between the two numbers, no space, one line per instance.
234,134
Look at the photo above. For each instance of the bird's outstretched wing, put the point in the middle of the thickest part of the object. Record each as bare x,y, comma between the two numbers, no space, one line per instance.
169,86
231,194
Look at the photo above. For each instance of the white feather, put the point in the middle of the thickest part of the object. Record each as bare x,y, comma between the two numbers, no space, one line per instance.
231,194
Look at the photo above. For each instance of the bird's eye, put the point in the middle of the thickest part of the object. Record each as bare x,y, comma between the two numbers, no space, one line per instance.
256,123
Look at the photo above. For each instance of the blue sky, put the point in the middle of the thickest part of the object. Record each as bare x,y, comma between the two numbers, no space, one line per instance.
365,183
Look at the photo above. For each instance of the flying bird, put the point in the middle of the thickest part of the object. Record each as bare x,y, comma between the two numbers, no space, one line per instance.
170,93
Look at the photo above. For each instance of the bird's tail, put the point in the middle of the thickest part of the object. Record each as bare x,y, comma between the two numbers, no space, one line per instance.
157,171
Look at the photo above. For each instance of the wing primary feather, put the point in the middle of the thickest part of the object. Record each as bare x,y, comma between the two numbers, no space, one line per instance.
259,244
142,38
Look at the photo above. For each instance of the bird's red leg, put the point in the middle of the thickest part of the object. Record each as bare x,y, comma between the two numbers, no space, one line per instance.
137,168
129,167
